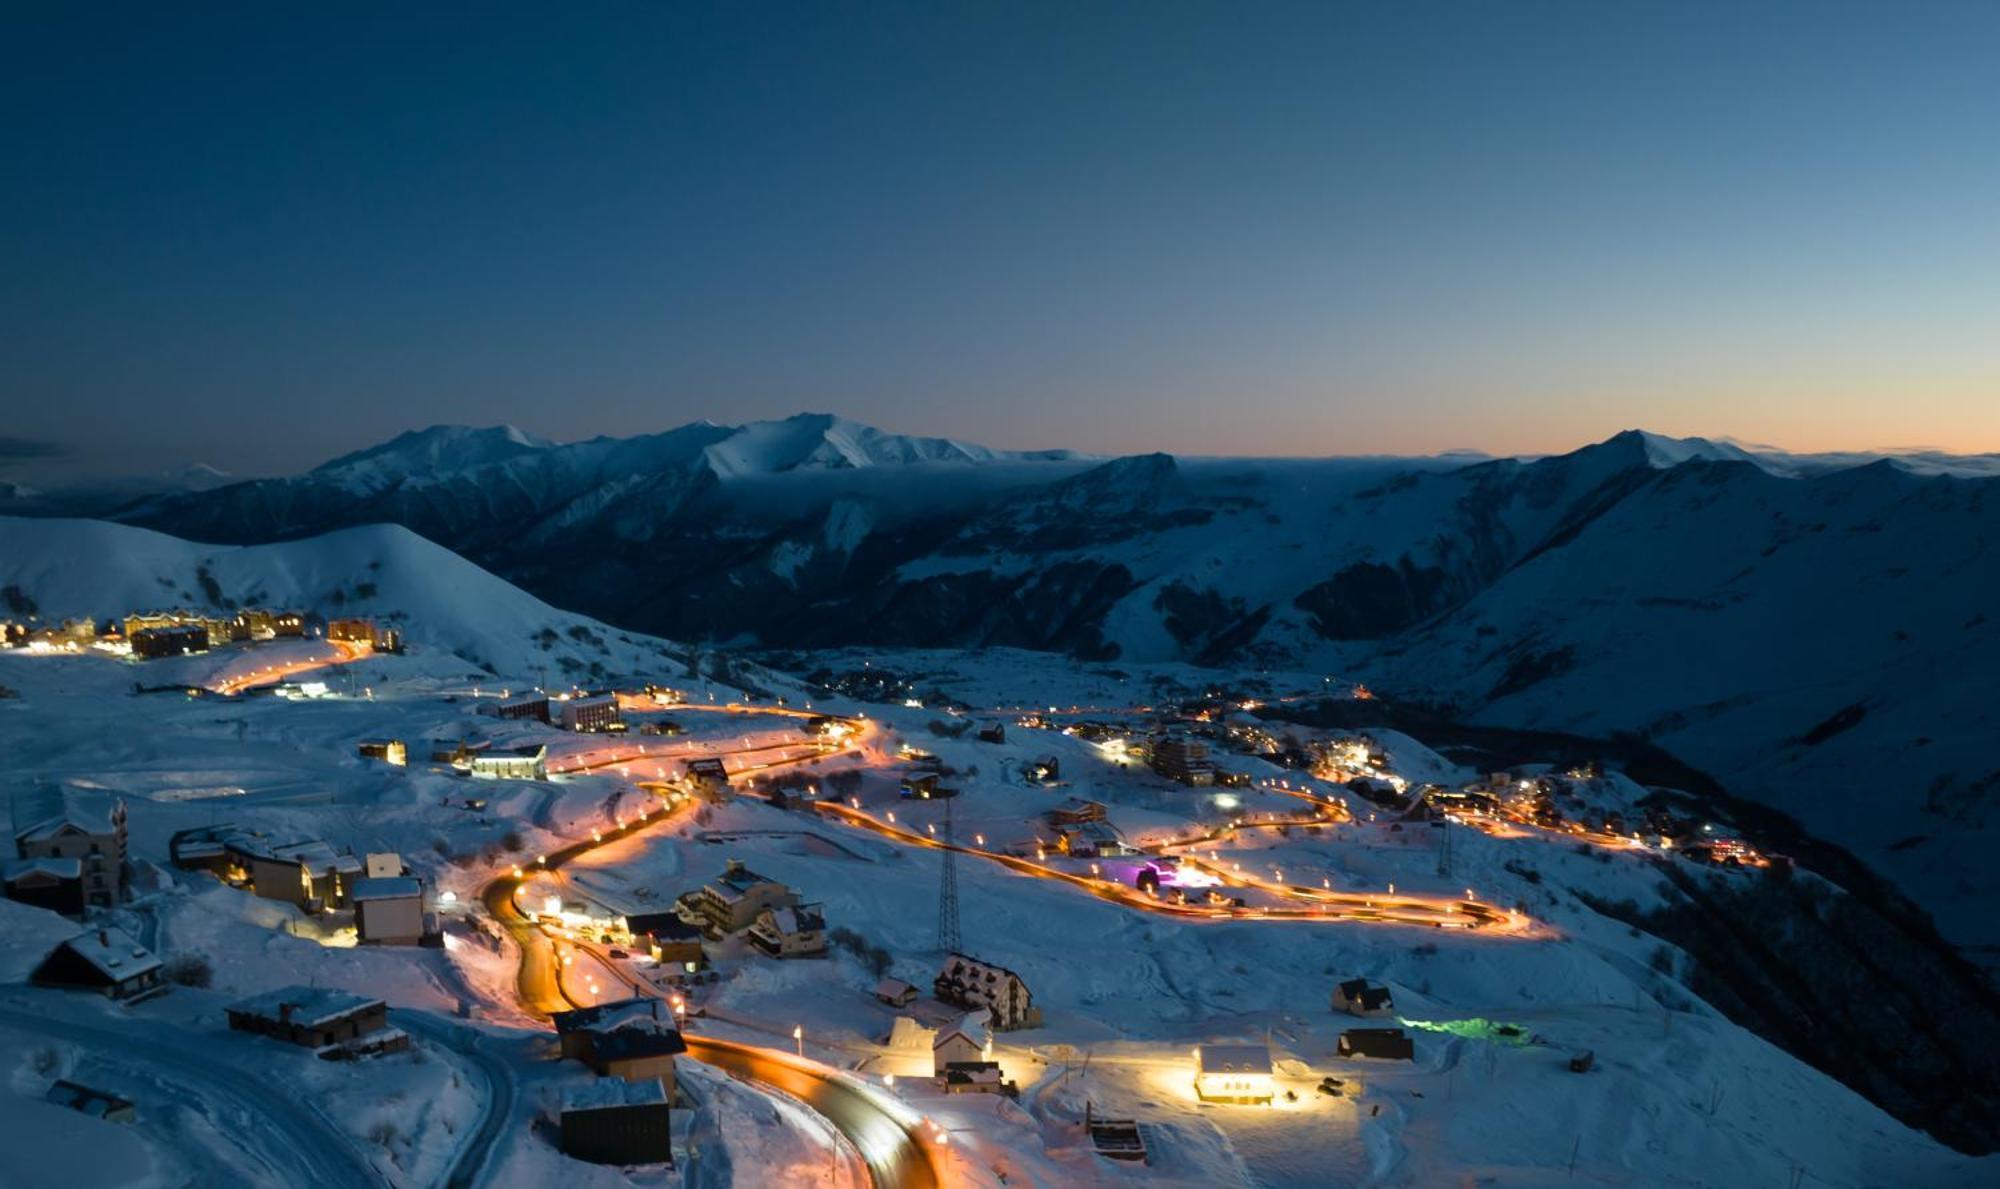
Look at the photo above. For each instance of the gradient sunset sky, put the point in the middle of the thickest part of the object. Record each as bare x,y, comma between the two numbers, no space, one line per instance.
255,238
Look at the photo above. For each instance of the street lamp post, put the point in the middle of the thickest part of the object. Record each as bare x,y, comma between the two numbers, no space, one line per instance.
799,1037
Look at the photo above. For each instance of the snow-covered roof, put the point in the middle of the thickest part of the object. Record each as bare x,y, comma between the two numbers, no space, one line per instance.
798,919
386,887
42,811
1236,1058
55,868
893,988
612,1092
316,855
310,1006
962,964
637,1038
115,955
606,1016
955,1032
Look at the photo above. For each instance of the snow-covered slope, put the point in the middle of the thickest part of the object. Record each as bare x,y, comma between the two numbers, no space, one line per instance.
443,602
1825,645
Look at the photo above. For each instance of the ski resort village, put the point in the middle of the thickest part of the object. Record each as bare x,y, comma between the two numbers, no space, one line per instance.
372,869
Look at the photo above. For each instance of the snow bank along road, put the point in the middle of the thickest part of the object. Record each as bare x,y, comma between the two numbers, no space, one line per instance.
299,1146
466,1042
890,1145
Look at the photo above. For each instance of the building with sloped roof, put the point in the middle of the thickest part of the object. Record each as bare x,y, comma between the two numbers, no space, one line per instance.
53,823
972,984
731,901
104,960
336,1024
1233,1073
54,884
797,931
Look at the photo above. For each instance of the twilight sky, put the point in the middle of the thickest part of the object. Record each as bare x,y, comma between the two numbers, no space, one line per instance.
257,239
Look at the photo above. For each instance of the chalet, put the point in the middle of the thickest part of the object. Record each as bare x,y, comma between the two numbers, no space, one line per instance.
387,640
1074,812
993,732
54,884
527,707
389,751
12,635
95,1103
51,824
971,984
617,1122
1043,770
288,623
512,763
708,779
956,1045
337,1025
1389,1044
895,992
663,727
1233,1073
591,715
1359,997
177,640
1183,760
924,786
790,932
631,1039
388,910
104,960
732,901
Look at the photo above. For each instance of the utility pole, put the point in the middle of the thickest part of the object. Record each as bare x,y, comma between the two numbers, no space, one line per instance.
948,938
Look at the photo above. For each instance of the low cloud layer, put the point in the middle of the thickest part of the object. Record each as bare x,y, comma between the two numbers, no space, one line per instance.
22,448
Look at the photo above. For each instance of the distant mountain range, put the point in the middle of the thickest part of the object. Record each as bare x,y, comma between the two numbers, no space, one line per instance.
1817,631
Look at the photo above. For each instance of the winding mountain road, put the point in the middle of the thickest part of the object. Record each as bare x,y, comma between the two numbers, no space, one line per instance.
887,1135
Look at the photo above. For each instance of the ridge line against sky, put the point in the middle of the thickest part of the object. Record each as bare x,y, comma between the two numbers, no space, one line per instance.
42,463
258,238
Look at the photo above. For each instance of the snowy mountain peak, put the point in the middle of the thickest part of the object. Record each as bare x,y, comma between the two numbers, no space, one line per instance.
426,451
823,441
1663,452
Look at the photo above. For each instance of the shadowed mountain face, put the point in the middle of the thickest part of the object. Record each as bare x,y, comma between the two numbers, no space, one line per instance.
1814,633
